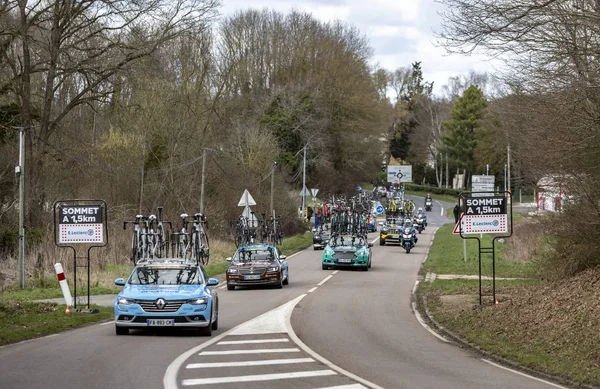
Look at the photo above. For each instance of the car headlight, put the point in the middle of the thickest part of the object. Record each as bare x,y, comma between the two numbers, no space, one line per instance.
384,231
198,301
232,271
125,301
328,251
273,268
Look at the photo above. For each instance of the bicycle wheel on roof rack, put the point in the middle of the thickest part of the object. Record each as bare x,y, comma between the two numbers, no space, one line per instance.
134,248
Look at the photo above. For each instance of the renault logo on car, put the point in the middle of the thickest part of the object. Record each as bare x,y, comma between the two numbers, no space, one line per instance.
160,303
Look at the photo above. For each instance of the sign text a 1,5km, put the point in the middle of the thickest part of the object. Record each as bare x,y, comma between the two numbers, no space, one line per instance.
493,205
80,224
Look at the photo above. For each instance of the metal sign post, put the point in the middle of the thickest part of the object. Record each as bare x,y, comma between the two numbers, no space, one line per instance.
485,213
80,222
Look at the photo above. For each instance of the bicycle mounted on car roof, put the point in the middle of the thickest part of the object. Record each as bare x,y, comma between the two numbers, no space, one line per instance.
150,239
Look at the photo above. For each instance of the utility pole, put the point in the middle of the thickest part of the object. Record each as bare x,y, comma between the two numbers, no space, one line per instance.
508,163
202,182
303,182
275,163
20,171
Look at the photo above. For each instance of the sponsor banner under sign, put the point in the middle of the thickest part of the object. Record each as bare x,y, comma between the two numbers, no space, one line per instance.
484,224
80,233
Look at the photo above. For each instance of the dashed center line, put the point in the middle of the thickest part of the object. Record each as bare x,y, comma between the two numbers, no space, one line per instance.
313,289
325,280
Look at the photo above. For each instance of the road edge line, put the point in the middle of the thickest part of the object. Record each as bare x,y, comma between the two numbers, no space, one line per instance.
326,362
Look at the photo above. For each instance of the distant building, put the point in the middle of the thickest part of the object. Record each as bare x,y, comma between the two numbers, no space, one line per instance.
551,193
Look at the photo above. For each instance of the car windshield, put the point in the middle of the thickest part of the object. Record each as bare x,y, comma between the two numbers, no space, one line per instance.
165,276
347,240
248,255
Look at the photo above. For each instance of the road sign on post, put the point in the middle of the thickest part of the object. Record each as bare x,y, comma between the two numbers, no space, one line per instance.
79,222
246,199
483,183
314,192
486,213
399,173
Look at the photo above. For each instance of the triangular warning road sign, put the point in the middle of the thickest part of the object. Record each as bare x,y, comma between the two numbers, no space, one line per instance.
304,192
458,227
253,221
246,199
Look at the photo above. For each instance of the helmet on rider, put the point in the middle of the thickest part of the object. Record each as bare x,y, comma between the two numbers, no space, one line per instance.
407,223
420,209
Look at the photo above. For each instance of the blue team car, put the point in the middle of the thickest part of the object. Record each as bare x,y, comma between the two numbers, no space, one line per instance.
167,292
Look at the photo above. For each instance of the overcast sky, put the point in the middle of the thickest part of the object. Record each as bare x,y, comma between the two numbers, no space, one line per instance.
400,31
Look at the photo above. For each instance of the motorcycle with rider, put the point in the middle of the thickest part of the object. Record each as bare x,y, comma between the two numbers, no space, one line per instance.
420,220
408,236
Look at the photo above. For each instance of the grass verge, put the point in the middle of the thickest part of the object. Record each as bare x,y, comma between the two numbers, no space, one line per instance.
548,327
22,318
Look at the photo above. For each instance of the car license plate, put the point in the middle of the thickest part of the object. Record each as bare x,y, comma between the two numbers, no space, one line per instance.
159,322
344,260
254,277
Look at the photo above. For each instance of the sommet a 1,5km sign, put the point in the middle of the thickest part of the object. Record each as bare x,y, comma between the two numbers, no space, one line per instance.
80,224
484,215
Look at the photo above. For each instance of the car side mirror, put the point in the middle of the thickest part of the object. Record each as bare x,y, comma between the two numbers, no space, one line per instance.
120,282
370,244
282,257
228,259
212,282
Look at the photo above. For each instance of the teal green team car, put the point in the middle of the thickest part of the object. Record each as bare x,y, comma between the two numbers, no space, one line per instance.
347,251
167,292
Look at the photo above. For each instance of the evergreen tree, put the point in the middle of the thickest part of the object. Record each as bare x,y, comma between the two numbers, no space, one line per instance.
466,117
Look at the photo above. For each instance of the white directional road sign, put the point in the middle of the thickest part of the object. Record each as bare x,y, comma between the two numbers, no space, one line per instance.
482,184
246,199
379,209
399,173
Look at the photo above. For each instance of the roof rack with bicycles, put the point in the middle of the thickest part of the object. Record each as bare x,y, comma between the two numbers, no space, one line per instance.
149,239
191,243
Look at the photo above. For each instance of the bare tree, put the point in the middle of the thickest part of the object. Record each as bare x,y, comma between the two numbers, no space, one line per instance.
64,54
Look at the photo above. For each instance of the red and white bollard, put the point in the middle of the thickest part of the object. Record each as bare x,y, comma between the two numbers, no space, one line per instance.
64,286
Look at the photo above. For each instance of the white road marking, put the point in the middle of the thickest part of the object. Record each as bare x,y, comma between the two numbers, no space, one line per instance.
375,240
254,341
313,289
441,210
107,323
325,280
414,289
170,377
335,272
309,351
523,374
351,386
253,351
422,322
210,365
258,377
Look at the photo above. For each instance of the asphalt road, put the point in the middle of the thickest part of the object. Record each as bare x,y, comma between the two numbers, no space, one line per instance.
359,321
